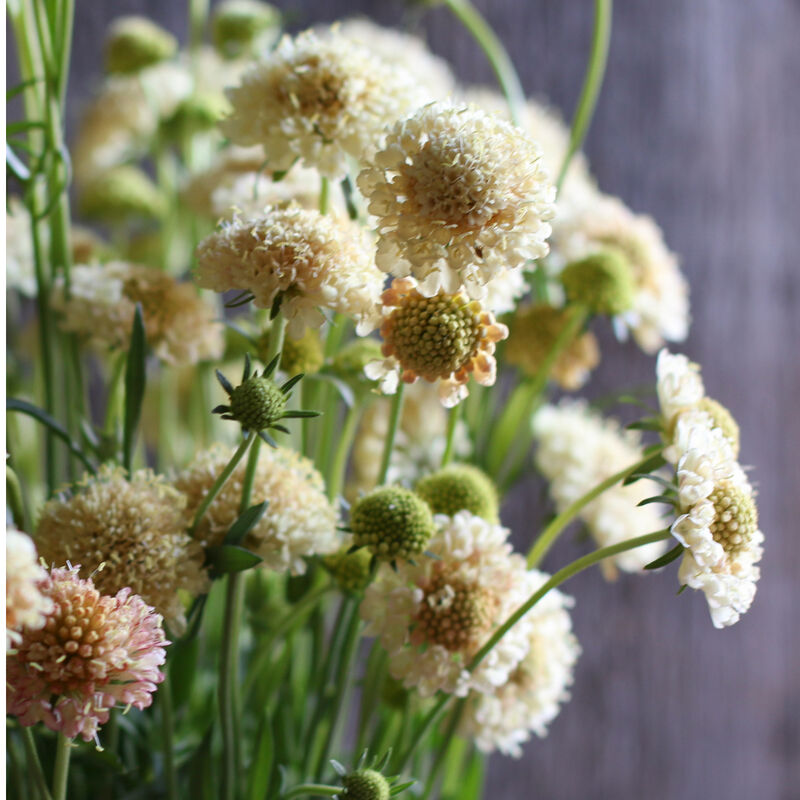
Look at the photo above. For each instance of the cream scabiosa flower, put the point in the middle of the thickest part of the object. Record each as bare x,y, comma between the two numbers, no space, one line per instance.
94,652
577,449
299,520
444,338
434,616
531,698
322,99
305,260
26,604
459,195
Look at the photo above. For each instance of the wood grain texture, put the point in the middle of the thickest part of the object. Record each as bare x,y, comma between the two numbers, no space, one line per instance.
699,125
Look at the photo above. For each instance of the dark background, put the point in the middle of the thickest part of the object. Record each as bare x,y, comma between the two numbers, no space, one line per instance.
698,124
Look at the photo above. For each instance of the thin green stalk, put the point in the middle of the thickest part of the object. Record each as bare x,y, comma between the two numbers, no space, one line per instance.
34,764
374,675
313,790
221,480
548,536
168,737
198,14
61,769
441,753
452,424
342,451
595,70
324,195
15,500
394,421
496,54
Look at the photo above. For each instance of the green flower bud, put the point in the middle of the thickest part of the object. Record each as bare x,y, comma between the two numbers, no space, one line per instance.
200,112
460,487
392,523
257,404
350,570
238,26
723,419
119,193
365,784
298,355
603,282
134,43
350,361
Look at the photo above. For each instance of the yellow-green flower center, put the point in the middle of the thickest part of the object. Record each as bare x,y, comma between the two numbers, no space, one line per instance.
722,419
735,517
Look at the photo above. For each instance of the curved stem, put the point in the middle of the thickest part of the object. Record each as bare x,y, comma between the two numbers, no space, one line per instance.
394,421
496,54
549,535
314,790
452,424
595,71
339,465
61,769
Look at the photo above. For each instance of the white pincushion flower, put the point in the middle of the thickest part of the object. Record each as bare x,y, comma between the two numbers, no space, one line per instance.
26,605
307,260
434,616
531,698
600,222
504,290
322,99
459,195
578,449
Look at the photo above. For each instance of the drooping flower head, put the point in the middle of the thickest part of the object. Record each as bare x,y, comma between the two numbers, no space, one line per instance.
531,698
127,533
433,616
179,325
323,99
26,604
445,338
460,195
299,520
93,653
303,260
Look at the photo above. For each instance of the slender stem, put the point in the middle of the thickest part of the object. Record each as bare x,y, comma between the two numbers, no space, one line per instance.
16,501
439,759
548,536
339,465
324,195
61,769
34,764
496,54
198,13
168,734
221,480
277,334
313,789
394,421
452,424
592,82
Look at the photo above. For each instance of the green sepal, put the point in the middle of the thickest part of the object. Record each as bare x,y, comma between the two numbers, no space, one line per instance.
659,498
247,520
667,558
226,558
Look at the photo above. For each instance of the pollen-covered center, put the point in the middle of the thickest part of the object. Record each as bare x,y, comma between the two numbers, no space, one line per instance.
313,90
454,613
735,517
433,337
257,403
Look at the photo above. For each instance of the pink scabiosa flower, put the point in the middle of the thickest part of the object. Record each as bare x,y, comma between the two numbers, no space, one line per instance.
442,338
93,653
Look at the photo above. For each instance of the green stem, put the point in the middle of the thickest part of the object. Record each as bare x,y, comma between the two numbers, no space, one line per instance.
452,424
549,535
15,500
598,56
314,790
496,54
447,739
34,764
324,195
394,421
61,769
221,480
277,333
168,734
198,14
339,465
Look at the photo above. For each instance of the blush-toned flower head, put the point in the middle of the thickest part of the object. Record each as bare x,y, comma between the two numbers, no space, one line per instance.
532,696
577,449
180,326
93,653
26,603
299,521
660,305
127,533
444,338
304,260
323,99
533,332
459,196
434,616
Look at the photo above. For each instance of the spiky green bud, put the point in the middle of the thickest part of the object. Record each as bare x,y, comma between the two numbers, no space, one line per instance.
257,403
603,282
392,523
365,784
460,487
134,43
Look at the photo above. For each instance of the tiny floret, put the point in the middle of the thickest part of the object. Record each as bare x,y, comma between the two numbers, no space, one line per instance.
460,487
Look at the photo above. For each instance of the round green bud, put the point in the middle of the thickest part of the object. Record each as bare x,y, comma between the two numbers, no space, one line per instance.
196,114
119,193
393,693
722,419
392,523
460,487
365,784
239,26
134,43
298,355
350,361
350,570
603,282
257,403
735,517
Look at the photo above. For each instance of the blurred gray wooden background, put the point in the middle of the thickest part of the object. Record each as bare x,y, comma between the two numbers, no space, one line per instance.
699,125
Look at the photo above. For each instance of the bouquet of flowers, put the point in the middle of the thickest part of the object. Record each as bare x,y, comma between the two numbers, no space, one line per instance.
258,441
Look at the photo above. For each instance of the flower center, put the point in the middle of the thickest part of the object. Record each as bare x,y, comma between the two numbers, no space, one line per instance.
434,337
735,517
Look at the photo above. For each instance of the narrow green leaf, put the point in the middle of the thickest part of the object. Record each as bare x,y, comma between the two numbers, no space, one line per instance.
15,166
287,387
201,775
300,414
656,461
21,87
247,520
26,125
226,558
647,424
666,499
14,404
667,558
261,768
182,666
135,381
